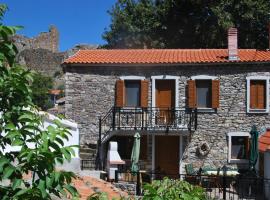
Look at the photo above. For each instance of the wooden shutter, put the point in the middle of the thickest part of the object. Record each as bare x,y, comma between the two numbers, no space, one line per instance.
253,95
247,147
144,93
120,93
215,93
261,95
192,99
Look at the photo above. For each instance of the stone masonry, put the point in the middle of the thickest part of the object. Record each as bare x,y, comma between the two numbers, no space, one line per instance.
45,40
90,93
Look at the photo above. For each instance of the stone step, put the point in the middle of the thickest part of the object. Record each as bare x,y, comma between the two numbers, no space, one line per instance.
88,156
87,150
88,164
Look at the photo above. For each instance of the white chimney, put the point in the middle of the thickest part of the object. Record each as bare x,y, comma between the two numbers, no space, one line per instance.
232,44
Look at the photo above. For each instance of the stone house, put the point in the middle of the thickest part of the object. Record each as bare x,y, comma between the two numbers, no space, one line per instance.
189,105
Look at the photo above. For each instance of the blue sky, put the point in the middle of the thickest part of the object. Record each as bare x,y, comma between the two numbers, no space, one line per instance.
78,21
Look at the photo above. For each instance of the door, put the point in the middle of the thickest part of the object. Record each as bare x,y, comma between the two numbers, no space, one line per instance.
165,100
167,155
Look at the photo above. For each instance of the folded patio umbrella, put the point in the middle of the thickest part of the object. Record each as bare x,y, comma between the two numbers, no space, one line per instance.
135,153
253,157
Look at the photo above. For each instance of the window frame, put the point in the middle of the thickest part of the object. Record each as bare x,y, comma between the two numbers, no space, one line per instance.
204,78
236,134
257,78
132,78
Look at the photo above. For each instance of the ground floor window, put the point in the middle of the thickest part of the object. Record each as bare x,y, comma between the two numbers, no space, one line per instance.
238,147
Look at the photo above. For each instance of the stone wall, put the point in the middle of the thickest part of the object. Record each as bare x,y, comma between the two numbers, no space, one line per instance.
90,93
45,40
42,60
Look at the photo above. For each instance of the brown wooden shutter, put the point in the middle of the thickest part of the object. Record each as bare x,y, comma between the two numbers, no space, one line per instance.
144,93
253,95
247,147
120,93
192,99
261,95
215,93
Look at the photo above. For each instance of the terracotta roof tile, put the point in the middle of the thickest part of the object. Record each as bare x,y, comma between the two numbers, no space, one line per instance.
164,56
264,141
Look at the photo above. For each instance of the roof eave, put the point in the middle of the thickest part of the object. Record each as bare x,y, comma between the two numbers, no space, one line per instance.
64,65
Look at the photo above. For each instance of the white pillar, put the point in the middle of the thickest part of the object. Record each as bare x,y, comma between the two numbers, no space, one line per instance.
267,172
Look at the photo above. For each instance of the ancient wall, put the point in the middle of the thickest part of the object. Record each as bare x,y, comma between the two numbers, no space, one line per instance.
90,94
41,53
45,40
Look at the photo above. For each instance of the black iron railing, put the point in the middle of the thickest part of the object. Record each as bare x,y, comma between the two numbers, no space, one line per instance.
215,187
150,118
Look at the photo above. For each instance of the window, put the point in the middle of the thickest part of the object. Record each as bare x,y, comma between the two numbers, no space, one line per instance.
238,147
132,93
257,94
203,93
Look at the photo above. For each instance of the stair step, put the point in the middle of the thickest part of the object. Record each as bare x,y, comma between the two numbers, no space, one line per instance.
87,156
87,150
88,164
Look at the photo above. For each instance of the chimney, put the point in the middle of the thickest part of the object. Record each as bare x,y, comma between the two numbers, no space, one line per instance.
232,44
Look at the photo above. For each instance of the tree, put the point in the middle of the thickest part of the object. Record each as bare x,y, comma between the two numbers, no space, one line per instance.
187,24
40,90
21,125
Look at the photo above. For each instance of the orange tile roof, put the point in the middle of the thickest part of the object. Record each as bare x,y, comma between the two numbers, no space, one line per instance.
264,141
164,56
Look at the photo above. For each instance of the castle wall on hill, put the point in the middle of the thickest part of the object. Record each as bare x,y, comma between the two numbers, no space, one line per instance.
45,40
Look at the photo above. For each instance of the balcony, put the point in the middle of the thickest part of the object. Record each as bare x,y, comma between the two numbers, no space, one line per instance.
146,119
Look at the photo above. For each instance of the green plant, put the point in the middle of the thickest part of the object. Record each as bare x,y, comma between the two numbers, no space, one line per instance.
21,126
104,196
40,90
168,189
98,196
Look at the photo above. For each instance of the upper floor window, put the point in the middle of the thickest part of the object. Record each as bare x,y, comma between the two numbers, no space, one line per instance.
203,92
131,91
257,94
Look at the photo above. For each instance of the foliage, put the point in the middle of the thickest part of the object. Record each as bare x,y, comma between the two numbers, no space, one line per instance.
104,196
98,196
21,126
168,189
187,24
40,88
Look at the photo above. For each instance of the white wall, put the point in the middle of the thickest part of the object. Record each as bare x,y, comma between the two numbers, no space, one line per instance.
74,164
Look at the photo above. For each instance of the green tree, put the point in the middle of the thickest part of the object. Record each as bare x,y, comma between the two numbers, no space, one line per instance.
40,90
187,24
21,125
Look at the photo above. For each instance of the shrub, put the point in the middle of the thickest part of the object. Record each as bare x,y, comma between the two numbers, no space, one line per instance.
168,189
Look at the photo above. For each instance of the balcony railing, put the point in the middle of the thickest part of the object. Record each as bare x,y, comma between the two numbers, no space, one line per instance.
150,119
145,119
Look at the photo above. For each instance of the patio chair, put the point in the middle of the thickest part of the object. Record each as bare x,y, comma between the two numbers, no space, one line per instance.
190,169
192,176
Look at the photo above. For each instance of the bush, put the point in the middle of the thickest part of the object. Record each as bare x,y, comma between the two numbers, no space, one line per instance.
168,189
40,90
